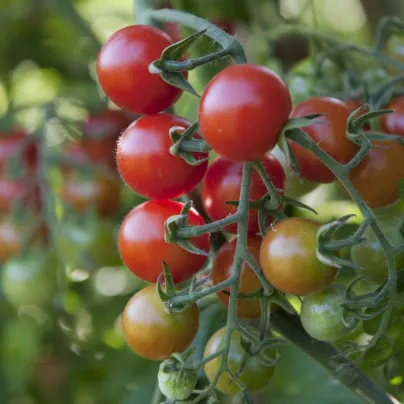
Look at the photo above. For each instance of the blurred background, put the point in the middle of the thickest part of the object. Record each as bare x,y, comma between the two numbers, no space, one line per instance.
63,285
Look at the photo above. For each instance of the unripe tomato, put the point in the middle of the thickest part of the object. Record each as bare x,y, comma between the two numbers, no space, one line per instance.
176,384
321,314
243,110
370,255
329,132
151,332
146,164
222,183
288,258
100,190
251,373
378,175
249,282
123,70
30,279
143,248
101,132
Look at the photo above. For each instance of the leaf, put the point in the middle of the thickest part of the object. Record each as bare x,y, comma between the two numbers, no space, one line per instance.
175,51
295,202
379,354
177,79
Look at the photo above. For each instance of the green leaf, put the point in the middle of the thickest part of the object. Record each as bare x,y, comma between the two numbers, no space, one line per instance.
175,51
295,202
177,79
379,354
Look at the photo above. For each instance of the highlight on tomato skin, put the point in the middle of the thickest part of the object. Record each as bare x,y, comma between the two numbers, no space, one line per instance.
151,332
143,248
145,163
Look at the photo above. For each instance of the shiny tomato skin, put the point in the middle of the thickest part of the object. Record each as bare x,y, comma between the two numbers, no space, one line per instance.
222,183
100,134
99,190
249,282
146,164
327,131
378,175
143,248
288,258
394,122
243,110
151,332
123,70
251,373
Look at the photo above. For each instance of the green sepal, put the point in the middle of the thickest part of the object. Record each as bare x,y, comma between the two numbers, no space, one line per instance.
178,49
177,79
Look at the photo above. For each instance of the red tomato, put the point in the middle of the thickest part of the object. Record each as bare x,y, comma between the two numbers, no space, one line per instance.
123,70
143,248
394,123
249,282
329,132
18,190
101,132
288,258
243,110
146,164
378,175
222,183
14,142
227,25
151,332
101,191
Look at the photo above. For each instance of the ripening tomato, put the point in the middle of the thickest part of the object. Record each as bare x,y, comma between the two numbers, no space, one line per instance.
254,375
378,175
249,282
14,142
327,131
288,258
151,332
143,248
18,191
243,110
100,134
222,183
100,190
321,314
394,122
123,70
146,164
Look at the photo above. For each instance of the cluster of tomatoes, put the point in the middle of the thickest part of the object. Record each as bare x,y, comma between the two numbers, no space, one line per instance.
242,114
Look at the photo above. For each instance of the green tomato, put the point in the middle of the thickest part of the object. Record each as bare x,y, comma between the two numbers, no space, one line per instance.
254,375
370,255
176,384
30,279
321,315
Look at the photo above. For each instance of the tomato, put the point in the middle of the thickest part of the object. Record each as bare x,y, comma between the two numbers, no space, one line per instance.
251,373
30,279
86,245
243,110
12,235
151,332
101,132
249,282
96,189
288,258
222,183
146,164
176,384
327,131
123,70
369,254
378,175
18,191
393,123
226,24
14,142
143,248
321,314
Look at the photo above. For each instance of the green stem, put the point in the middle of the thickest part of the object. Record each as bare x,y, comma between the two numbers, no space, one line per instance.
157,396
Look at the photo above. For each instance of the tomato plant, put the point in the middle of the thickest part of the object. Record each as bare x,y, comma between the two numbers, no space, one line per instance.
123,70
234,108
254,375
146,164
151,332
222,183
322,314
329,132
378,175
143,248
288,258
394,122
